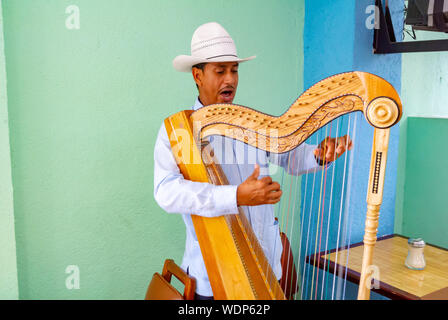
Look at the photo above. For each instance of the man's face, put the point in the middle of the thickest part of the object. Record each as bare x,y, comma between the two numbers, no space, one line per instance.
217,83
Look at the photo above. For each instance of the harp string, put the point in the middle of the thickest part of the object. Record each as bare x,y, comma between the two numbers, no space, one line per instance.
340,221
321,226
313,269
289,204
317,225
298,294
280,218
320,217
320,212
344,235
290,276
280,202
289,230
329,224
347,207
300,269
293,280
326,266
306,214
304,268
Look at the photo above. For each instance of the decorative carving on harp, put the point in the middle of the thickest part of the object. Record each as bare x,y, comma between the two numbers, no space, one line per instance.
236,264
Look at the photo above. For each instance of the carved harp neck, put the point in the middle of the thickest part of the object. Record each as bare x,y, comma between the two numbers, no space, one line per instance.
316,107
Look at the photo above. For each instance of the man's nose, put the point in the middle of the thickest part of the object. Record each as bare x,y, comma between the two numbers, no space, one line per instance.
230,78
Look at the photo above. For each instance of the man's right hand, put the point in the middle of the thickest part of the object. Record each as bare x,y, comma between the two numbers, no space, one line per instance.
255,192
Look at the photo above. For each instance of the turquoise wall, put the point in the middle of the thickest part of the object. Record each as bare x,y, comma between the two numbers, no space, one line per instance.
424,94
348,47
80,110
425,202
85,106
345,44
8,263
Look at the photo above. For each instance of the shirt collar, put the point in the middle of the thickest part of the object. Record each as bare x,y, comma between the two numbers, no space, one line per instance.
197,104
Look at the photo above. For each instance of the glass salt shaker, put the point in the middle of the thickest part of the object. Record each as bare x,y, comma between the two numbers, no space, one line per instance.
416,258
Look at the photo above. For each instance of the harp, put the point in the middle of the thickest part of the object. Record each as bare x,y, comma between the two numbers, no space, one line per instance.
235,261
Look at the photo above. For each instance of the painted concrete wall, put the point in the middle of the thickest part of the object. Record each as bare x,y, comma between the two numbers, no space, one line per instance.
8,264
344,43
85,106
424,94
425,203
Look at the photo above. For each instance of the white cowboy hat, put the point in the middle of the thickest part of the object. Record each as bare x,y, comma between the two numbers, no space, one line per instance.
210,43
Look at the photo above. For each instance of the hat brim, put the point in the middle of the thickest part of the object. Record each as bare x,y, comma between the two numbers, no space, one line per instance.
184,63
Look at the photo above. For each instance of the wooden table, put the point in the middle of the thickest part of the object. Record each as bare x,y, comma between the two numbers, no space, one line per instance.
396,281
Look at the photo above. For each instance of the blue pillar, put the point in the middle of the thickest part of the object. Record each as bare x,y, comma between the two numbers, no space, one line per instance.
338,38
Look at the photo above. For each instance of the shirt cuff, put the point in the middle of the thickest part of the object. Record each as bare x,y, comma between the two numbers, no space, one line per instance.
225,201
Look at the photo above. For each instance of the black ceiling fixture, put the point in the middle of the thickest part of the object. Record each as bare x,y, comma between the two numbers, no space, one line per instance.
429,15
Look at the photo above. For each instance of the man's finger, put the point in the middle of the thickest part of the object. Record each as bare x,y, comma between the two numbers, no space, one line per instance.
341,148
330,151
256,173
275,195
319,153
344,144
273,187
350,144
274,201
266,180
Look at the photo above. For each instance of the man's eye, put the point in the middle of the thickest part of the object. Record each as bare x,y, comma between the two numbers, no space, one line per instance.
235,71
220,71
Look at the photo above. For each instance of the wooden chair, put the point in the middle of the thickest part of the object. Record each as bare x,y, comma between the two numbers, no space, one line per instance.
160,287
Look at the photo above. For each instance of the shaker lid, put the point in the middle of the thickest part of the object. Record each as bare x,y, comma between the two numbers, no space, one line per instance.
416,242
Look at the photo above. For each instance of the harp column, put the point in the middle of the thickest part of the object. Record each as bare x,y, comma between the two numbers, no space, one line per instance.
382,113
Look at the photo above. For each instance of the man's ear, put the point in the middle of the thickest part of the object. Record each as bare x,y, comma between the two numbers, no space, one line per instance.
197,76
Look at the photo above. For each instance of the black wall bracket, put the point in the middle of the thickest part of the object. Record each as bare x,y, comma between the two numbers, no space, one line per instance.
384,40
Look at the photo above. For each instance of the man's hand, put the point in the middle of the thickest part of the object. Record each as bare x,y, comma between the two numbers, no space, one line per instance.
333,148
254,191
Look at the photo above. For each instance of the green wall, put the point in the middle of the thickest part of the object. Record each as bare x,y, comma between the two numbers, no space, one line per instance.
8,264
85,106
424,94
425,212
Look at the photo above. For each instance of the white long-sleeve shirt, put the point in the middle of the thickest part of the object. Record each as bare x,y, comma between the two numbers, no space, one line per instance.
175,194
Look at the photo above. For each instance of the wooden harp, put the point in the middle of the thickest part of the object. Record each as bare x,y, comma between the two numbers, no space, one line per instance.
235,262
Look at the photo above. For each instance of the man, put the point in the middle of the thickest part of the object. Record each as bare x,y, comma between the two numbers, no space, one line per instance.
214,65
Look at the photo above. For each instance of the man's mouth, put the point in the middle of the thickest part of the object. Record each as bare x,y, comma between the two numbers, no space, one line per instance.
227,95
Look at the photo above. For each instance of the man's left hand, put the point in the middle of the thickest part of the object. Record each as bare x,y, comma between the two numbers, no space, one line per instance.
332,148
